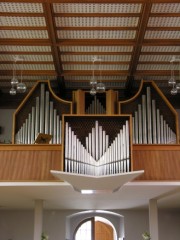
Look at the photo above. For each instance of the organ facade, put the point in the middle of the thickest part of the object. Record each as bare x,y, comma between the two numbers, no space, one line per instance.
96,135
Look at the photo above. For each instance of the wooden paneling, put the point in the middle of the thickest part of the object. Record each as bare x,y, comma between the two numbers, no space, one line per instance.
34,162
160,162
29,162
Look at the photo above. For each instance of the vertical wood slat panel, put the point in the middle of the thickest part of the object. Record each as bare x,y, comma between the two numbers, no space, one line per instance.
34,162
160,162
29,163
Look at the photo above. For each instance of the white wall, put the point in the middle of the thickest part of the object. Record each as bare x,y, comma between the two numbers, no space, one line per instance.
18,225
6,121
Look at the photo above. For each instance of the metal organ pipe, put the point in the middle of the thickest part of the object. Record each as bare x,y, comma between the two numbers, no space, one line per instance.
43,118
149,125
89,160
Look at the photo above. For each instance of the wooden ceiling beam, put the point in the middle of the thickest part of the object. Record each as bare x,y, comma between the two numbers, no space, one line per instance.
96,53
30,72
52,36
160,53
25,28
97,1
92,15
25,42
24,53
89,73
96,28
96,42
96,64
140,37
161,42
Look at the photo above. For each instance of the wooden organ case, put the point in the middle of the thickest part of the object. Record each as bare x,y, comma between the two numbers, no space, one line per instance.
152,129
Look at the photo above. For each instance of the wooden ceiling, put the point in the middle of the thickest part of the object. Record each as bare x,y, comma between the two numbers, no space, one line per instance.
135,39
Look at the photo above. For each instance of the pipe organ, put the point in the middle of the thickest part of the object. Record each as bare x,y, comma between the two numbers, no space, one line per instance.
98,150
42,113
154,121
96,132
95,107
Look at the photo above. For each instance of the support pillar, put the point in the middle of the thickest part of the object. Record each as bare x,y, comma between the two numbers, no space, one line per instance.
153,219
38,219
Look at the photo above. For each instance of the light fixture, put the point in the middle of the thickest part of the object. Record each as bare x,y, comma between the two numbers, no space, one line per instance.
16,85
172,81
100,87
96,87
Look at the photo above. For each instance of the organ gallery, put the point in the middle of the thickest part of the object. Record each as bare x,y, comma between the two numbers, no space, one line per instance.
96,133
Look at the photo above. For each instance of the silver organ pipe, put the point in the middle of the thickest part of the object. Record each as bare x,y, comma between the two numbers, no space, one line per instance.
46,124
42,108
37,129
88,159
148,123
43,118
95,107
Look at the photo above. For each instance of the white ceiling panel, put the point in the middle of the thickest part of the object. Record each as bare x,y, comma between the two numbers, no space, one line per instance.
87,78
96,34
90,67
157,58
100,49
96,8
28,67
96,21
165,8
21,7
153,67
160,49
22,21
43,58
89,58
162,35
164,22
15,48
18,34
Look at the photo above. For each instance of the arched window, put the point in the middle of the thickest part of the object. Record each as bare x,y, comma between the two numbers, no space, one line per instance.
96,228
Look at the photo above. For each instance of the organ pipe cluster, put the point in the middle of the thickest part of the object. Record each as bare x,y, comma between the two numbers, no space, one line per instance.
149,125
96,107
98,157
42,119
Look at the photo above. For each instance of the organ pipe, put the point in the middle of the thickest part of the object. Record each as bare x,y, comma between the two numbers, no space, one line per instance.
89,159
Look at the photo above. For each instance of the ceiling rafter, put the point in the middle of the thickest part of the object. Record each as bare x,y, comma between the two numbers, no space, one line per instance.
140,37
52,37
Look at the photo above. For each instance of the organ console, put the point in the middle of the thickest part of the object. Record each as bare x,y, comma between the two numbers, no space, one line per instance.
96,135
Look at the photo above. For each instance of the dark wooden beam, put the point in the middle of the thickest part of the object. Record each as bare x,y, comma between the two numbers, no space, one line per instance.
140,37
52,36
